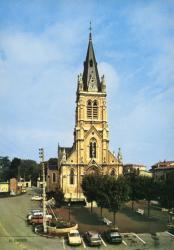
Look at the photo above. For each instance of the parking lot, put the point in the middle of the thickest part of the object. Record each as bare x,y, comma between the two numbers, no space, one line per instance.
132,241
15,234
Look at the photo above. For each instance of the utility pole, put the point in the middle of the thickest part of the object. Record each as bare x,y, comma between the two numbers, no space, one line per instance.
41,156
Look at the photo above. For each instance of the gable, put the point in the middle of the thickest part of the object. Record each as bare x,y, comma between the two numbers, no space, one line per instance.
92,132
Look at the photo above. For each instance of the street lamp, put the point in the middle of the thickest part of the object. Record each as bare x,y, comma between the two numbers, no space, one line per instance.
69,206
41,156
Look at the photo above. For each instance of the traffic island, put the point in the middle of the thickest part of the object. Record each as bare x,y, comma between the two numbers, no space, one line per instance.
58,228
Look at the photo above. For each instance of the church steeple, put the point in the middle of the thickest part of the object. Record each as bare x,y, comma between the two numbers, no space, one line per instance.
91,80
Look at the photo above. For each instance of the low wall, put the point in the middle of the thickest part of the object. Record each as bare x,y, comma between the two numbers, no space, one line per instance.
54,230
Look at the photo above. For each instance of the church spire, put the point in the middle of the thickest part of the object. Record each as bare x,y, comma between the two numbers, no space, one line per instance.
91,80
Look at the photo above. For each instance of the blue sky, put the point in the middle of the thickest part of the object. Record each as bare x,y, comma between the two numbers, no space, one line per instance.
42,48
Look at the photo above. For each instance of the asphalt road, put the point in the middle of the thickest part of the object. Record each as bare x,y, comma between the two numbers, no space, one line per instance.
15,234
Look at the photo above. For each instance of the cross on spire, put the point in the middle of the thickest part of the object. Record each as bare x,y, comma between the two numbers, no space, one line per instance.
90,29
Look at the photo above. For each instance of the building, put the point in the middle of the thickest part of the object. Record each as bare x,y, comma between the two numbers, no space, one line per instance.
163,170
24,184
90,151
52,176
4,187
136,169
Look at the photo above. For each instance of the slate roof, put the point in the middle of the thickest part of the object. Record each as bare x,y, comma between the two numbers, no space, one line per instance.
90,68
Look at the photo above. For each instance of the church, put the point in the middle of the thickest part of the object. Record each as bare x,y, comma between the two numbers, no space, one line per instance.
90,150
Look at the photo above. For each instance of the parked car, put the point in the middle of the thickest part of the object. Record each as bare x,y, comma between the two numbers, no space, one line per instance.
36,198
93,238
74,238
35,213
38,219
113,236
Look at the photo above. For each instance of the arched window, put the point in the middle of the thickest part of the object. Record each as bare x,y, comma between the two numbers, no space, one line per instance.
89,109
92,149
71,177
95,110
92,109
54,177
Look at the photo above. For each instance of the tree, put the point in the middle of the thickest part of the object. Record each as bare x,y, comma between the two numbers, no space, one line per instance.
166,194
117,191
15,168
90,186
4,168
149,190
135,189
58,195
101,196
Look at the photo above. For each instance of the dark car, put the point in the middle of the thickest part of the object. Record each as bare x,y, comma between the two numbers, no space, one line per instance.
113,236
93,238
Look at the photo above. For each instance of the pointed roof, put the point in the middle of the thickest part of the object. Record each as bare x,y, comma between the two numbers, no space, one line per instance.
91,80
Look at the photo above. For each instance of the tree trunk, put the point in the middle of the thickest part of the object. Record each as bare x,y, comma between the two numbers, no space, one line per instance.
132,205
114,218
148,208
91,206
101,211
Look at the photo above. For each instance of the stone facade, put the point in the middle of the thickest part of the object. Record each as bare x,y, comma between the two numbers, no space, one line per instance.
90,151
52,178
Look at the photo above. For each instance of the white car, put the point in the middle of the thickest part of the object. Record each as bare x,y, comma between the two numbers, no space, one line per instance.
74,238
36,198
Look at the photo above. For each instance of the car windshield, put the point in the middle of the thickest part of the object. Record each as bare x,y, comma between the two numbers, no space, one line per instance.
74,234
114,234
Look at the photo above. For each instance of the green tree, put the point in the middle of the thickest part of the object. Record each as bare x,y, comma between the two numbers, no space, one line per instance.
101,196
15,168
135,189
4,168
166,194
29,170
117,191
90,186
149,190
58,195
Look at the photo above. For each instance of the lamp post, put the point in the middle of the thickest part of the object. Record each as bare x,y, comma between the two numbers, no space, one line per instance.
41,156
69,206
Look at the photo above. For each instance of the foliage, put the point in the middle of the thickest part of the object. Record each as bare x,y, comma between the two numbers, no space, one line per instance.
107,191
90,187
148,189
4,168
52,161
117,192
166,193
15,168
29,170
19,168
58,195
135,188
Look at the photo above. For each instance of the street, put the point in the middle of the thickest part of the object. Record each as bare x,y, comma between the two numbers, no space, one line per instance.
15,234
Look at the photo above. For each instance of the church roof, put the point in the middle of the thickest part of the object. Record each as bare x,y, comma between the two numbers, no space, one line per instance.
91,80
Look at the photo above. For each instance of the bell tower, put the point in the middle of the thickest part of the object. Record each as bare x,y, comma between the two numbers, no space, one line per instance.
90,151
91,134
